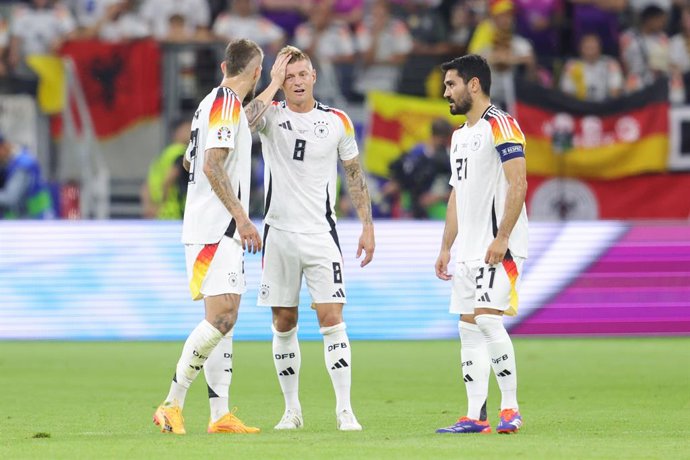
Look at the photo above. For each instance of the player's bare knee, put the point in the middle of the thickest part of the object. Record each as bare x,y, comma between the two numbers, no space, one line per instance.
330,318
224,320
329,314
284,324
284,319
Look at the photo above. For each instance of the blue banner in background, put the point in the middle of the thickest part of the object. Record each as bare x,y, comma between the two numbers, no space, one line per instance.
125,280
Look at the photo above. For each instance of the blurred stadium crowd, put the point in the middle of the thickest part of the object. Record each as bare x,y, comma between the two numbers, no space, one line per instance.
594,50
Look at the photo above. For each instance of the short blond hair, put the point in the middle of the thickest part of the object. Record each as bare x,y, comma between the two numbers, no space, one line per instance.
295,53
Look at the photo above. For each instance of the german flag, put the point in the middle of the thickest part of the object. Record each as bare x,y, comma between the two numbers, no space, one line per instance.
617,138
648,196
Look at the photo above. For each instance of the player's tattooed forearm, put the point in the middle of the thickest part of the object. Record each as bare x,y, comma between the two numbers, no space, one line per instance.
254,111
219,181
357,188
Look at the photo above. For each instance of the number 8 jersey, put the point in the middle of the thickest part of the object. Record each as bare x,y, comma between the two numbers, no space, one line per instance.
301,152
477,154
219,122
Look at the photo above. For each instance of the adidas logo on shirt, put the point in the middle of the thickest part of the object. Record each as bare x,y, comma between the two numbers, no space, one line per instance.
286,125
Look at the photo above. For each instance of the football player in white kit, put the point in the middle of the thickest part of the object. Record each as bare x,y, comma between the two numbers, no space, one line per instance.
216,232
302,141
487,221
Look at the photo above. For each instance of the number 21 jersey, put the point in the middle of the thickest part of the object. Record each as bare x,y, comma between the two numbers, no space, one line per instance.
477,154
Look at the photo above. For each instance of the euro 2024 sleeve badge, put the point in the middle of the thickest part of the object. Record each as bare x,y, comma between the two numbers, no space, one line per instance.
224,134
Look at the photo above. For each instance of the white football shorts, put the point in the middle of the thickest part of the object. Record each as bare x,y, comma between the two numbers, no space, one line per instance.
478,285
215,269
288,255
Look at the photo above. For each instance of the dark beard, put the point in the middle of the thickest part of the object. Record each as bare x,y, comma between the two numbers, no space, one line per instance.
461,107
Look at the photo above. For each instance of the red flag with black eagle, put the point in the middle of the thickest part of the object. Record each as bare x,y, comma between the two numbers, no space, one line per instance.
121,81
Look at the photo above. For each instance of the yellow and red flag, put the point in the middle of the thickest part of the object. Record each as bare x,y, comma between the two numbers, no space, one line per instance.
396,124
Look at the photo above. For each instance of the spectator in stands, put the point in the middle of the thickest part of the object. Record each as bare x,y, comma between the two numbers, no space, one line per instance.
216,7
351,12
599,17
427,27
181,22
121,21
636,6
645,49
539,21
287,14
38,29
24,194
332,50
88,12
679,50
675,17
430,46
162,196
178,31
463,21
384,43
171,19
507,53
479,7
419,178
4,43
242,20
592,76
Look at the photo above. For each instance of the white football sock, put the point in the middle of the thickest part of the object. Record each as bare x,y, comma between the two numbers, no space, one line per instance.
199,345
287,359
218,373
502,357
338,357
476,367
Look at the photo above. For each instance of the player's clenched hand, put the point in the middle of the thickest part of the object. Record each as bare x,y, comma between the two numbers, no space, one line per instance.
366,244
442,266
497,251
251,241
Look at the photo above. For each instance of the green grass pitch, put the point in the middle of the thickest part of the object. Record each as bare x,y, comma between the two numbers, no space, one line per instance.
580,398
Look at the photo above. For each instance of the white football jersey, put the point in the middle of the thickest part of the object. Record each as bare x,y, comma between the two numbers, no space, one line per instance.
219,122
476,161
301,152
